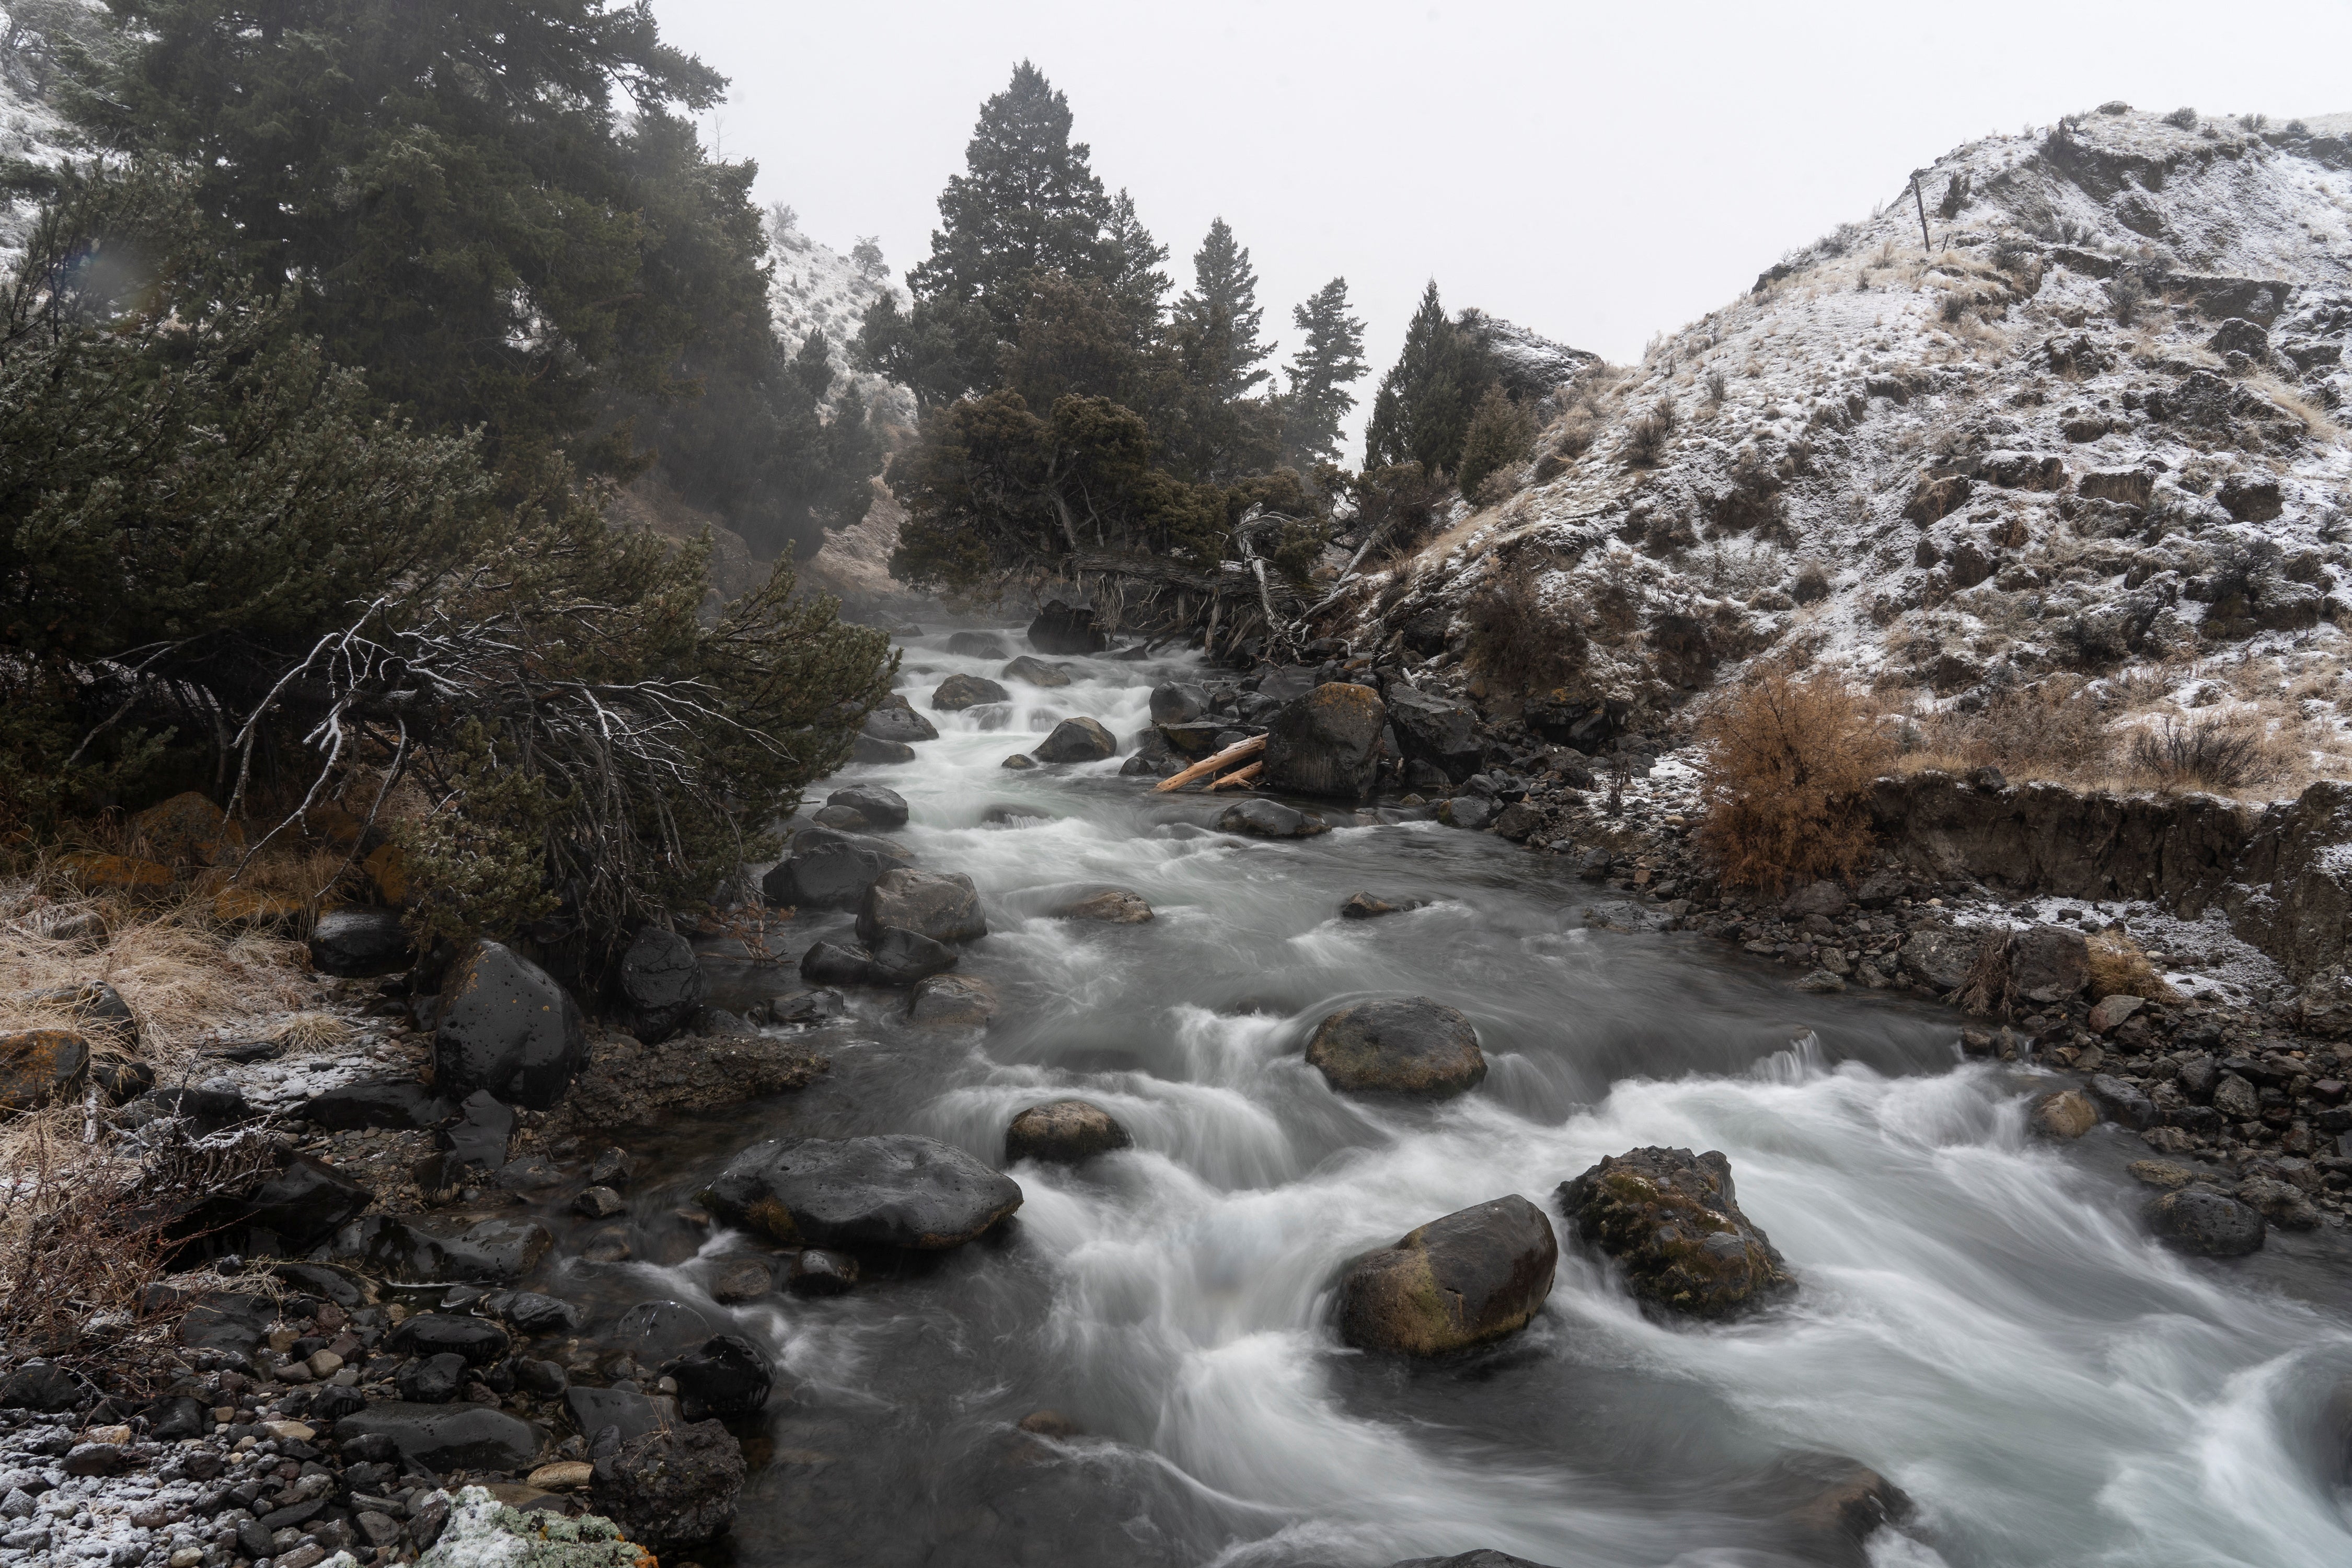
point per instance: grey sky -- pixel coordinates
(1597, 173)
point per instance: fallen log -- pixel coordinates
(1237, 777)
(1233, 753)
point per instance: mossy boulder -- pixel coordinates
(1476, 1275)
(1672, 1222)
(1401, 1044)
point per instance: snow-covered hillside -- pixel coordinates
(2094, 427)
(816, 289)
(30, 131)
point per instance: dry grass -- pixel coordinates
(2120, 968)
(1786, 765)
(1516, 640)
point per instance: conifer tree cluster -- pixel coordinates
(1069, 407)
(312, 391)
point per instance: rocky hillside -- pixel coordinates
(2092, 432)
(816, 289)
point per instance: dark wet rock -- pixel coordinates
(1838, 1503)
(300, 1207)
(170, 1420)
(1270, 819)
(1326, 742)
(1178, 703)
(1062, 628)
(1671, 1220)
(882, 808)
(656, 1330)
(1078, 740)
(1064, 1132)
(2067, 1113)
(896, 957)
(895, 720)
(1407, 1045)
(209, 1107)
(941, 905)
(1019, 761)
(591, 1410)
(662, 983)
(671, 1488)
(2123, 1101)
(2198, 1220)
(743, 1280)
(958, 692)
(479, 1341)
(1485, 1557)
(508, 1028)
(952, 1002)
(2281, 1202)
(529, 1312)
(818, 1272)
(2049, 963)
(444, 1437)
(120, 1080)
(628, 1083)
(1823, 897)
(896, 1190)
(359, 942)
(2236, 1098)
(226, 1320)
(1365, 906)
(46, 1386)
(1112, 906)
(1469, 811)
(1518, 821)
(40, 1067)
(825, 869)
(875, 752)
(1035, 672)
(547, 1379)
(397, 1102)
(977, 644)
(99, 1011)
(727, 1376)
(431, 1379)
(489, 1251)
(1436, 729)
(717, 1023)
(477, 1140)
(1940, 958)
(1193, 740)
(598, 1202)
(1473, 1276)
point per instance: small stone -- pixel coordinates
(1018, 760)
(817, 1272)
(282, 1431)
(564, 1475)
(324, 1364)
(1063, 1132)
(1113, 906)
(1820, 980)
(2111, 1011)
(747, 1280)
(599, 1203)
(187, 1557)
(2160, 1173)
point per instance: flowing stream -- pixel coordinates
(1982, 1318)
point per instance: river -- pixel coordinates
(1980, 1318)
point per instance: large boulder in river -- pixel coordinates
(1326, 742)
(1405, 1045)
(895, 720)
(977, 644)
(896, 1190)
(507, 1026)
(952, 1002)
(958, 692)
(1270, 819)
(1064, 1132)
(941, 905)
(1080, 740)
(1178, 703)
(1474, 1276)
(1062, 628)
(2197, 1219)
(1672, 1223)
(826, 869)
(1436, 729)
(1112, 906)
(882, 808)
(661, 982)
(896, 956)
(1035, 670)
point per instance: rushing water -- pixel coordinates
(1982, 1318)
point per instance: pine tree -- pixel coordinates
(1501, 433)
(1028, 203)
(1329, 359)
(1425, 401)
(1219, 319)
(1137, 284)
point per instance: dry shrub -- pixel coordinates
(1515, 640)
(2120, 968)
(2221, 755)
(1786, 765)
(1646, 436)
(2051, 729)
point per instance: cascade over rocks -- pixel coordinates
(1326, 742)
(507, 1026)
(1062, 628)
(1080, 740)
(824, 868)
(895, 1190)
(1473, 1276)
(1064, 1132)
(941, 905)
(1672, 1222)
(1408, 1045)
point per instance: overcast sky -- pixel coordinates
(1597, 173)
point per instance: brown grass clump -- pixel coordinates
(1786, 765)
(2120, 968)
(2052, 730)
(1517, 641)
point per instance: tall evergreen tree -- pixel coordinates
(1027, 204)
(1329, 359)
(1423, 410)
(1219, 318)
(1137, 284)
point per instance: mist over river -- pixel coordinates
(1981, 1317)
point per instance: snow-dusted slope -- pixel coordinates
(816, 289)
(30, 131)
(1961, 466)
